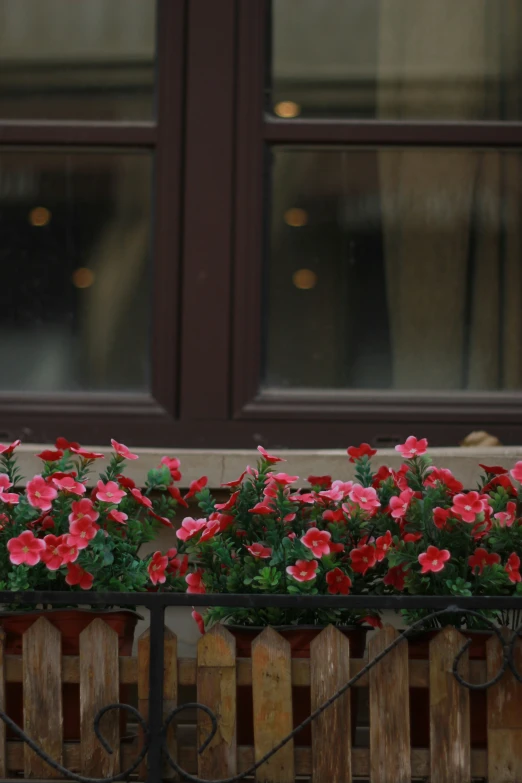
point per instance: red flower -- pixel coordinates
(395, 577)
(513, 568)
(440, 517)
(231, 502)
(467, 506)
(446, 477)
(8, 450)
(412, 448)
(363, 558)
(196, 486)
(68, 553)
(190, 528)
(382, 474)
(124, 481)
(235, 482)
(199, 621)
(335, 548)
(212, 527)
(334, 516)
(68, 484)
(117, 516)
(156, 568)
(517, 472)
(259, 551)
(81, 532)
(412, 537)
(78, 576)
(268, 457)
(83, 508)
(122, 450)
(500, 481)
(382, 545)
(375, 622)
(50, 456)
(338, 582)
(25, 549)
(325, 482)
(303, 570)
(399, 505)
(109, 492)
(64, 445)
(318, 541)
(194, 581)
(85, 454)
(164, 520)
(507, 517)
(178, 567)
(433, 559)
(364, 450)
(481, 557)
(51, 555)
(143, 500)
(173, 465)
(176, 494)
(494, 470)
(365, 497)
(263, 509)
(40, 494)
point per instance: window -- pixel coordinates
(287, 222)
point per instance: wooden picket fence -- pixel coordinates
(271, 673)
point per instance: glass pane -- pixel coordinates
(393, 59)
(74, 271)
(81, 59)
(395, 269)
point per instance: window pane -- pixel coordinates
(87, 59)
(419, 59)
(395, 269)
(74, 271)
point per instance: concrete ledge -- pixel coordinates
(227, 464)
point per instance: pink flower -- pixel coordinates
(433, 559)
(303, 570)
(268, 457)
(122, 450)
(109, 492)
(68, 484)
(190, 528)
(68, 553)
(4, 482)
(363, 558)
(85, 454)
(343, 486)
(212, 527)
(258, 550)
(513, 568)
(40, 494)
(412, 448)
(317, 541)
(51, 556)
(25, 549)
(196, 486)
(357, 452)
(9, 449)
(399, 505)
(365, 497)
(194, 581)
(467, 506)
(283, 479)
(78, 576)
(334, 494)
(198, 619)
(117, 516)
(261, 508)
(143, 500)
(235, 482)
(382, 545)
(81, 509)
(507, 517)
(517, 472)
(11, 498)
(156, 568)
(231, 502)
(173, 465)
(81, 531)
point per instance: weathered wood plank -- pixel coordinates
(43, 716)
(504, 716)
(272, 698)
(389, 710)
(449, 710)
(216, 683)
(329, 671)
(99, 687)
(170, 690)
(3, 746)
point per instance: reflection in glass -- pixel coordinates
(407, 273)
(74, 271)
(393, 59)
(77, 59)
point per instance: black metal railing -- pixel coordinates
(155, 730)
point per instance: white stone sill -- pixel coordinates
(222, 465)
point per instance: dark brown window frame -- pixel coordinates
(209, 141)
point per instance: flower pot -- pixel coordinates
(70, 623)
(418, 649)
(299, 638)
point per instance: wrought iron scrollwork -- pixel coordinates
(507, 662)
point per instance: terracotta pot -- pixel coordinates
(418, 649)
(70, 623)
(300, 638)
